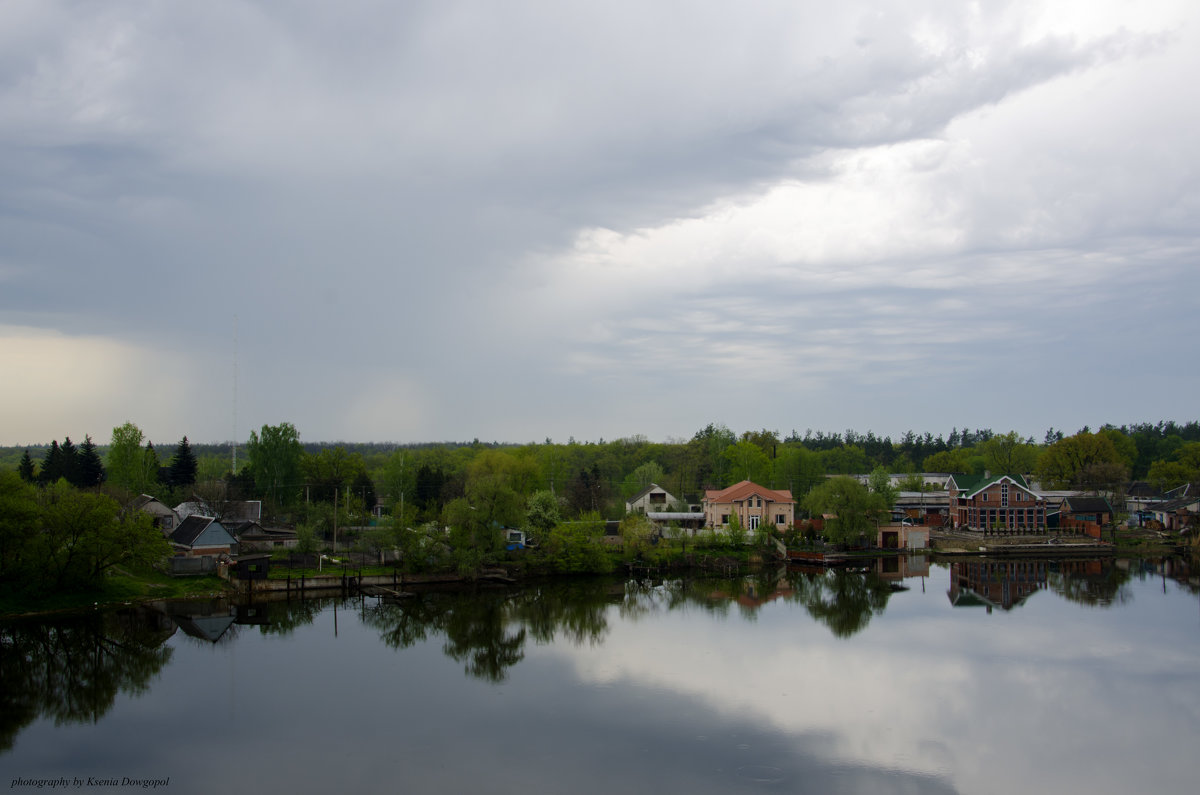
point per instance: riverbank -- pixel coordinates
(126, 587)
(120, 587)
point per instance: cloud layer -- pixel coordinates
(458, 220)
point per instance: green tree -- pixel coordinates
(52, 465)
(1079, 460)
(853, 507)
(91, 468)
(642, 477)
(747, 461)
(184, 466)
(799, 468)
(306, 539)
(18, 525)
(542, 513)
(958, 461)
(1183, 467)
(1008, 454)
(577, 546)
(473, 539)
(332, 470)
(26, 468)
(636, 533)
(397, 481)
(518, 473)
(362, 492)
(275, 455)
(735, 531)
(69, 462)
(708, 448)
(848, 459)
(126, 460)
(150, 468)
(880, 483)
(83, 535)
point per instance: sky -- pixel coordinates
(523, 221)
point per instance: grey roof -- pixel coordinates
(1087, 505)
(192, 527)
(647, 490)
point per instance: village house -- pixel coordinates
(1094, 510)
(751, 503)
(164, 518)
(652, 498)
(202, 536)
(1178, 515)
(254, 537)
(995, 502)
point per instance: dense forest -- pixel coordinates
(419, 481)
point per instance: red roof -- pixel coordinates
(740, 491)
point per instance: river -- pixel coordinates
(957, 677)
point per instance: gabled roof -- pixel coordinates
(194, 507)
(740, 491)
(1141, 489)
(647, 490)
(141, 502)
(254, 530)
(1087, 505)
(973, 484)
(192, 527)
(1179, 492)
(1170, 506)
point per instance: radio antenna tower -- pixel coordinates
(233, 444)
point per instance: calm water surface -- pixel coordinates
(1029, 676)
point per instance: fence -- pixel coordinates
(193, 567)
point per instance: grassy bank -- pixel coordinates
(120, 586)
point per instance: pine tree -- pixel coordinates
(150, 469)
(69, 461)
(51, 465)
(91, 470)
(25, 468)
(183, 468)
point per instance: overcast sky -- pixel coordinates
(520, 220)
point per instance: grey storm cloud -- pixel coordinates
(448, 220)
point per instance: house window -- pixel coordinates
(779, 518)
(754, 521)
(985, 496)
(724, 518)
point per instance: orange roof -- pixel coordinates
(740, 491)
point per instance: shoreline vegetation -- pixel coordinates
(71, 534)
(125, 586)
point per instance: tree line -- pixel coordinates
(419, 481)
(561, 493)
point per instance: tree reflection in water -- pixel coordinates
(840, 599)
(1091, 582)
(487, 629)
(71, 669)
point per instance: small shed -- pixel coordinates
(252, 567)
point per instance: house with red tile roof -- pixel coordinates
(751, 503)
